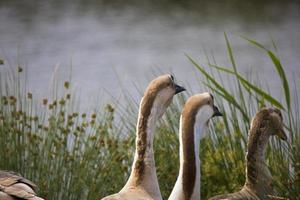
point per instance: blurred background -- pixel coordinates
(98, 55)
(106, 46)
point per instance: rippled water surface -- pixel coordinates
(113, 46)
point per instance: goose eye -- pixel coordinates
(172, 77)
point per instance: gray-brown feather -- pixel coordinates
(134, 194)
(13, 186)
(244, 194)
(258, 183)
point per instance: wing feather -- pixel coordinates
(15, 185)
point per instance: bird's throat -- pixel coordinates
(257, 172)
(143, 173)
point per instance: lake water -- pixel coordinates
(116, 47)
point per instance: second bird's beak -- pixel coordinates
(216, 111)
(179, 89)
(282, 135)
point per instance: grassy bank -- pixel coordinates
(74, 155)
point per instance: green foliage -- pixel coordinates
(69, 155)
(223, 152)
(72, 155)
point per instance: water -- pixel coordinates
(116, 47)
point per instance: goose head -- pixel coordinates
(199, 109)
(270, 121)
(159, 94)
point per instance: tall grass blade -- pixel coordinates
(283, 78)
(230, 52)
(248, 85)
(279, 69)
(225, 93)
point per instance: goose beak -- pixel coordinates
(281, 134)
(216, 111)
(179, 89)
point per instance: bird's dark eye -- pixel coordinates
(172, 77)
(280, 115)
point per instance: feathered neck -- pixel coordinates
(187, 186)
(143, 173)
(258, 176)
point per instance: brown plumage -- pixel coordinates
(15, 187)
(197, 112)
(258, 185)
(189, 113)
(151, 92)
(142, 183)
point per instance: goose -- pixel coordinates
(15, 187)
(258, 185)
(142, 183)
(193, 122)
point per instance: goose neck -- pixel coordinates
(143, 173)
(187, 186)
(257, 173)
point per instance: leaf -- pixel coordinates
(279, 70)
(219, 88)
(255, 43)
(248, 85)
(283, 78)
(229, 49)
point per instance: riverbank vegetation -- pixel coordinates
(87, 155)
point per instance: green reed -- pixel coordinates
(74, 155)
(223, 153)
